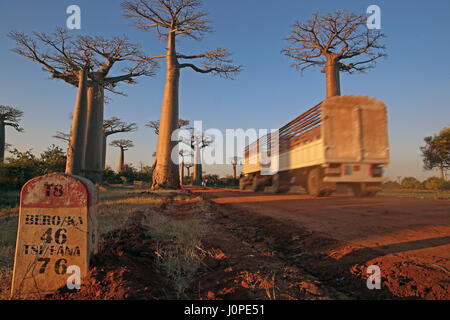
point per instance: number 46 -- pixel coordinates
(60, 236)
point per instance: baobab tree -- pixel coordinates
(188, 166)
(154, 124)
(124, 145)
(171, 19)
(111, 52)
(235, 161)
(197, 141)
(112, 126)
(338, 42)
(85, 62)
(182, 165)
(9, 117)
(61, 60)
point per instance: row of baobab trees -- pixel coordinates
(10, 116)
(195, 140)
(331, 41)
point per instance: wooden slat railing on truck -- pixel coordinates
(303, 129)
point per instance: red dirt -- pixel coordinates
(335, 239)
(124, 268)
(262, 246)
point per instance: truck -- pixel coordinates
(342, 141)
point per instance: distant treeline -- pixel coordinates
(23, 166)
(433, 183)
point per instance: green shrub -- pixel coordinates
(434, 183)
(128, 175)
(18, 169)
(23, 166)
(411, 183)
(53, 160)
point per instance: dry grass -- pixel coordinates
(178, 239)
(8, 234)
(179, 246)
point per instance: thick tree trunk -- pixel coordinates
(104, 151)
(77, 144)
(181, 171)
(94, 144)
(442, 171)
(234, 171)
(165, 175)
(2, 141)
(121, 160)
(197, 166)
(188, 171)
(332, 76)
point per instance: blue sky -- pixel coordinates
(414, 81)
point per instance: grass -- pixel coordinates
(8, 233)
(178, 239)
(179, 249)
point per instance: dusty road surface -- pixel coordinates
(337, 238)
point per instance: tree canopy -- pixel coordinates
(115, 125)
(63, 56)
(10, 116)
(436, 152)
(342, 36)
(122, 144)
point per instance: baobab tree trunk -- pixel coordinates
(77, 142)
(104, 151)
(94, 142)
(121, 160)
(165, 174)
(188, 171)
(197, 166)
(181, 171)
(332, 76)
(2, 141)
(234, 171)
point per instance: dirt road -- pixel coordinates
(337, 238)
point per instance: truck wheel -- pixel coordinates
(256, 186)
(244, 182)
(277, 184)
(315, 185)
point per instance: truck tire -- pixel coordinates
(314, 184)
(256, 185)
(278, 185)
(244, 182)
